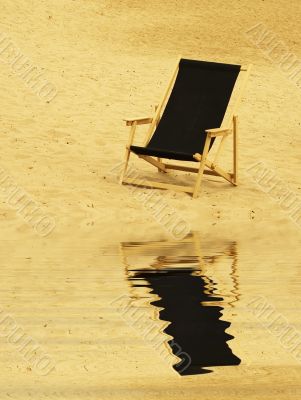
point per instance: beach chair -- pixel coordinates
(191, 116)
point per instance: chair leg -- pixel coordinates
(128, 151)
(201, 168)
(235, 150)
(160, 161)
(126, 163)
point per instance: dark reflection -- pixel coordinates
(189, 301)
(195, 327)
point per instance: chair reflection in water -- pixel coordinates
(184, 287)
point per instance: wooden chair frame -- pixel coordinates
(229, 126)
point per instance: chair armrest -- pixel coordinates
(218, 132)
(139, 121)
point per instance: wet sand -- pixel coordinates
(67, 297)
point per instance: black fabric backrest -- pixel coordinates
(198, 101)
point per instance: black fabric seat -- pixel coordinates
(198, 101)
(148, 151)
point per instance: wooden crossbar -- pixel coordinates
(154, 162)
(181, 168)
